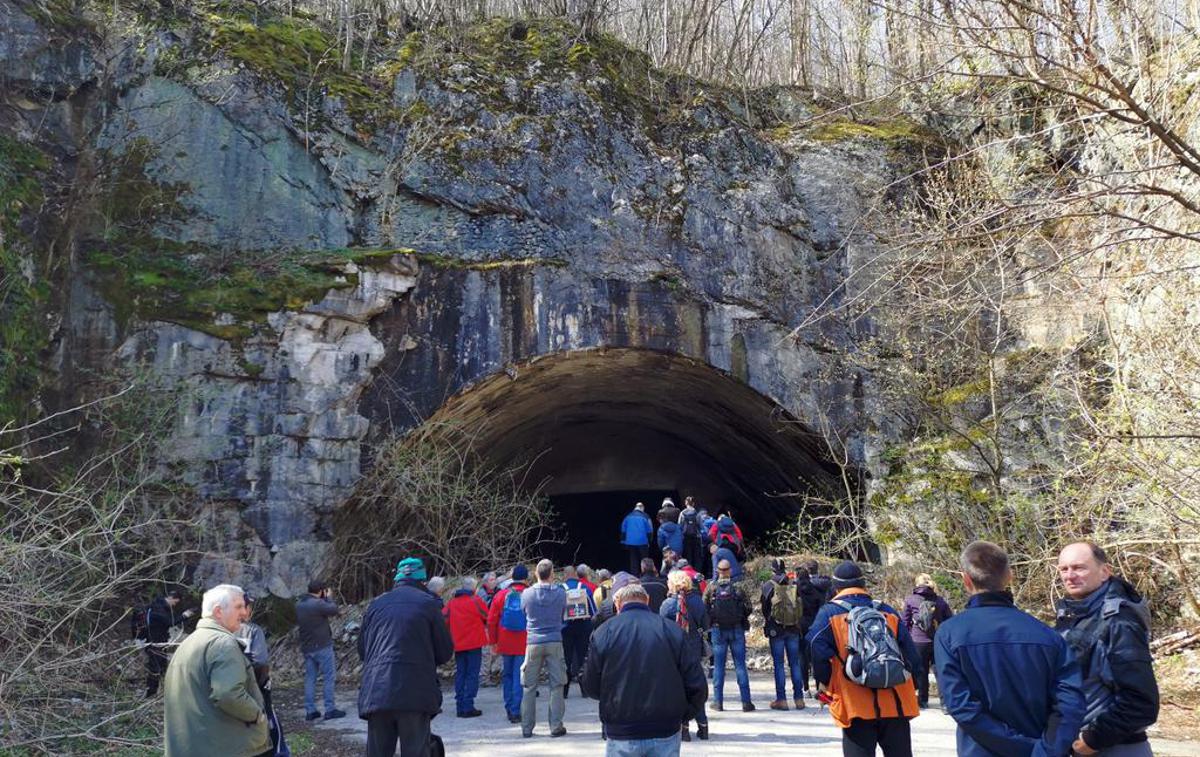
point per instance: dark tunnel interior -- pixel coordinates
(603, 429)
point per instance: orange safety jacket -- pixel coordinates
(851, 700)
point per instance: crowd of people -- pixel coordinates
(648, 643)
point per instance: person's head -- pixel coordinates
(583, 571)
(248, 612)
(173, 598)
(811, 566)
(712, 549)
(678, 582)
(669, 554)
(777, 567)
(648, 567)
(437, 585)
(1083, 567)
(985, 567)
(225, 605)
(724, 569)
(689, 501)
(923, 579)
(702, 512)
(847, 575)
(410, 569)
(633, 594)
(603, 574)
(520, 574)
(681, 563)
(623, 579)
(640, 506)
(317, 587)
(667, 502)
(489, 580)
(469, 583)
(569, 572)
(544, 571)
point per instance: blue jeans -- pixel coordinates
(466, 679)
(668, 747)
(319, 661)
(725, 640)
(510, 682)
(794, 648)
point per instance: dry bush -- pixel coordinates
(81, 535)
(430, 494)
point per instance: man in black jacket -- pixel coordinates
(402, 641)
(647, 679)
(654, 584)
(1107, 624)
(160, 619)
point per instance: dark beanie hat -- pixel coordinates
(520, 573)
(847, 574)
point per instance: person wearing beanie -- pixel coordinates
(507, 634)
(606, 609)
(402, 641)
(869, 717)
(636, 533)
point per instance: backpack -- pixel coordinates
(927, 617)
(729, 540)
(784, 609)
(605, 592)
(691, 523)
(578, 607)
(139, 624)
(873, 657)
(727, 605)
(513, 617)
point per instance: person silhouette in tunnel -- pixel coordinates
(691, 528)
(636, 532)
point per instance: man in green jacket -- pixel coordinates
(212, 702)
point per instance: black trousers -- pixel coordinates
(892, 735)
(635, 558)
(693, 552)
(926, 652)
(156, 664)
(575, 636)
(409, 729)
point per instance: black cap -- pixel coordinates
(848, 574)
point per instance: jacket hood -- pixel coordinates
(464, 593)
(925, 591)
(1109, 598)
(669, 526)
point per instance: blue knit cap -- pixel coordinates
(411, 568)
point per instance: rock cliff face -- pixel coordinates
(314, 261)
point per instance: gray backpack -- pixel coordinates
(873, 657)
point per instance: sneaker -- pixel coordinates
(527, 734)
(560, 731)
(779, 704)
(514, 718)
(799, 704)
(334, 714)
(702, 732)
(470, 714)
(749, 707)
(717, 707)
(685, 734)
(312, 715)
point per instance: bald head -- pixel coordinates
(1083, 568)
(724, 568)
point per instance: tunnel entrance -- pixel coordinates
(602, 429)
(589, 525)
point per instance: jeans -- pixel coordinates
(725, 640)
(925, 650)
(793, 647)
(510, 682)
(314, 662)
(668, 747)
(538, 656)
(386, 728)
(466, 679)
(891, 735)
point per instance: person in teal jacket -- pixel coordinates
(636, 532)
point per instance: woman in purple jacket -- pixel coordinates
(924, 611)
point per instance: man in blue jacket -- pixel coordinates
(636, 532)
(720, 554)
(1107, 624)
(403, 640)
(1010, 682)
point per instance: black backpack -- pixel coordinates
(139, 624)
(727, 605)
(927, 617)
(691, 523)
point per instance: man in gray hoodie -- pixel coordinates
(544, 604)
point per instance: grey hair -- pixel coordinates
(583, 569)
(604, 574)
(221, 596)
(436, 584)
(631, 593)
(489, 576)
(545, 569)
(469, 583)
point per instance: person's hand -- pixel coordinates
(1080, 747)
(188, 613)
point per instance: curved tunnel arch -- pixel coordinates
(604, 425)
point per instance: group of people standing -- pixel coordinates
(690, 535)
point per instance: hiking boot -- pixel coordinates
(702, 732)
(799, 704)
(527, 734)
(470, 714)
(514, 718)
(311, 715)
(749, 707)
(717, 707)
(334, 714)
(780, 704)
(560, 731)
(685, 734)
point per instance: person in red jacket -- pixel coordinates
(466, 614)
(506, 634)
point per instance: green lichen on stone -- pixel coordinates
(894, 132)
(448, 263)
(23, 291)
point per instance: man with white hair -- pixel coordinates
(646, 676)
(212, 701)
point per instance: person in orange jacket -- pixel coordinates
(506, 634)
